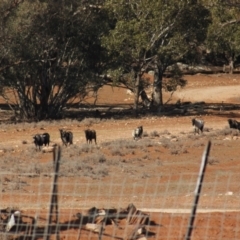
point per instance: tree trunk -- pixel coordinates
(157, 96)
(231, 65)
(136, 93)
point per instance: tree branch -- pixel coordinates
(234, 21)
(14, 4)
(23, 62)
(231, 3)
(165, 31)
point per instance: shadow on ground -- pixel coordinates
(101, 112)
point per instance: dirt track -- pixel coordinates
(210, 94)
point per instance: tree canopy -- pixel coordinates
(153, 34)
(53, 55)
(52, 52)
(223, 38)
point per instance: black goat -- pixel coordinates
(234, 124)
(91, 135)
(198, 124)
(41, 139)
(66, 136)
(137, 133)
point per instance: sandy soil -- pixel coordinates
(157, 173)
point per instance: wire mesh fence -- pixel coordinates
(47, 205)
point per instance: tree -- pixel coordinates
(53, 55)
(224, 33)
(7, 10)
(153, 35)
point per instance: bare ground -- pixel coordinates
(157, 172)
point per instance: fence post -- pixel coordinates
(54, 195)
(198, 190)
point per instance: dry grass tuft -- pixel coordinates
(154, 133)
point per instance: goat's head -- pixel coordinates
(230, 121)
(62, 132)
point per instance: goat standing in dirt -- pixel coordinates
(41, 139)
(137, 133)
(91, 135)
(198, 125)
(66, 136)
(234, 124)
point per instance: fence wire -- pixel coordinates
(117, 206)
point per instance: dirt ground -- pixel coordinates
(157, 173)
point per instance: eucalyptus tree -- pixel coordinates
(153, 35)
(53, 55)
(224, 33)
(7, 10)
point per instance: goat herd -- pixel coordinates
(67, 136)
(199, 124)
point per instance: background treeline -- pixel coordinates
(55, 51)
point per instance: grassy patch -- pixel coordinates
(154, 133)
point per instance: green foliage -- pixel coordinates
(176, 80)
(152, 33)
(224, 33)
(53, 56)
(53, 51)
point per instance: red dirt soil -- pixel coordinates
(158, 179)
